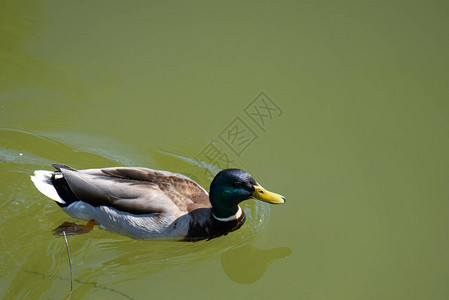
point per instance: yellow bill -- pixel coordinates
(262, 194)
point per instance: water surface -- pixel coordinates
(345, 107)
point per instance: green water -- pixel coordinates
(355, 135)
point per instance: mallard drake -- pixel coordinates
(149, 204)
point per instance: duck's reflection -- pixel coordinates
(243, 264)
(247, 264)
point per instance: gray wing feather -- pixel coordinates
(136, 190)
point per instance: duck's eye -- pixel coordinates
(237, 184)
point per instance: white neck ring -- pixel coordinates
(237, 215)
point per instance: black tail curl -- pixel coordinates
(62, 166)
(61, 186)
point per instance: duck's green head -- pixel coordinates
(232, 186)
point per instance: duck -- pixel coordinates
(148, 204)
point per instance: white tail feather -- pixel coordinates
(42, 181)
